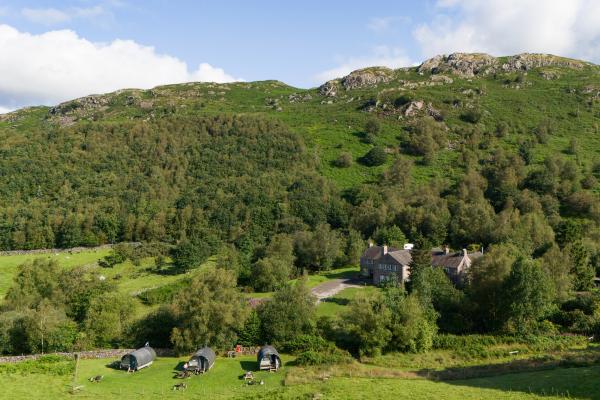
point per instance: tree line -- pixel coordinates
(247, 190)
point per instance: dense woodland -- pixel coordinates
(249, 190)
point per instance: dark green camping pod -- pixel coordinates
(268, 358)
(138, 359)
(202, 360)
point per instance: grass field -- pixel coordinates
(337, 304)
(9, 263)
(223, 382)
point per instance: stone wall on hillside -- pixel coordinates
(91, 354)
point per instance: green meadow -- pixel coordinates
(224, 381)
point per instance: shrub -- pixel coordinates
(46, 365)
(163, 294)
(425, 138)
(472, 116)
(573, 147)
(376, 156)
(305, 343)
(332, 355)
(344, 160)
(402, 100)
(372, 126)
(474, 344)
(314, 350)
(111, 260)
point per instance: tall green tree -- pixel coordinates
(318, 250)
(367, 323)
(209, 312)
(35, 281)
(289, 314)
(410, 327)
(108, 318)
(527, 295)
(556, 265)
(486, 285)
(581, 267)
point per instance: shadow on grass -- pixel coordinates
(114, 365)
(248, 365)
(573, 376)
(167, 270)
(179, 366)
(350, 275)
(336, 300)
(578, 382)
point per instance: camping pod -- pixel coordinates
(138, 359)
(268, 359)
(202, 360)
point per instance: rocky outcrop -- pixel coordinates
(463, 64)
(367, 77)
(85, 103)
(329, 88)
(413, 108)
(471, 64)
(418, 107)
(527, 61)
(592, 90)
(359, 79)
(443, 79)
(434, 113)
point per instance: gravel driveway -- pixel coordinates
(333, 287)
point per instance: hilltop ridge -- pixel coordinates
(463, 65)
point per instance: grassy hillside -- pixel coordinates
(120, 166)
(566, 97)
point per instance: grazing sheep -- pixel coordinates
(180, 386)
(96, 379)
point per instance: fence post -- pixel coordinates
(76, 370)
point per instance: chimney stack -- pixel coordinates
(384, 249)
(446, 249)
(370, 244)
(464, 252)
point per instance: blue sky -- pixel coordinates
(55, 50)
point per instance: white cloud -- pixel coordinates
(381, 56)
(59, 65)
(502, 27)
(385, 24)
(4, 110)
(46, 16)
(53, 16)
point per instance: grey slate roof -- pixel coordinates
(439, 258)
(450, 260)
(401, 256)
(374, 252)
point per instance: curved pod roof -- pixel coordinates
(139, 358)
(203, 359)
(266, 351)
